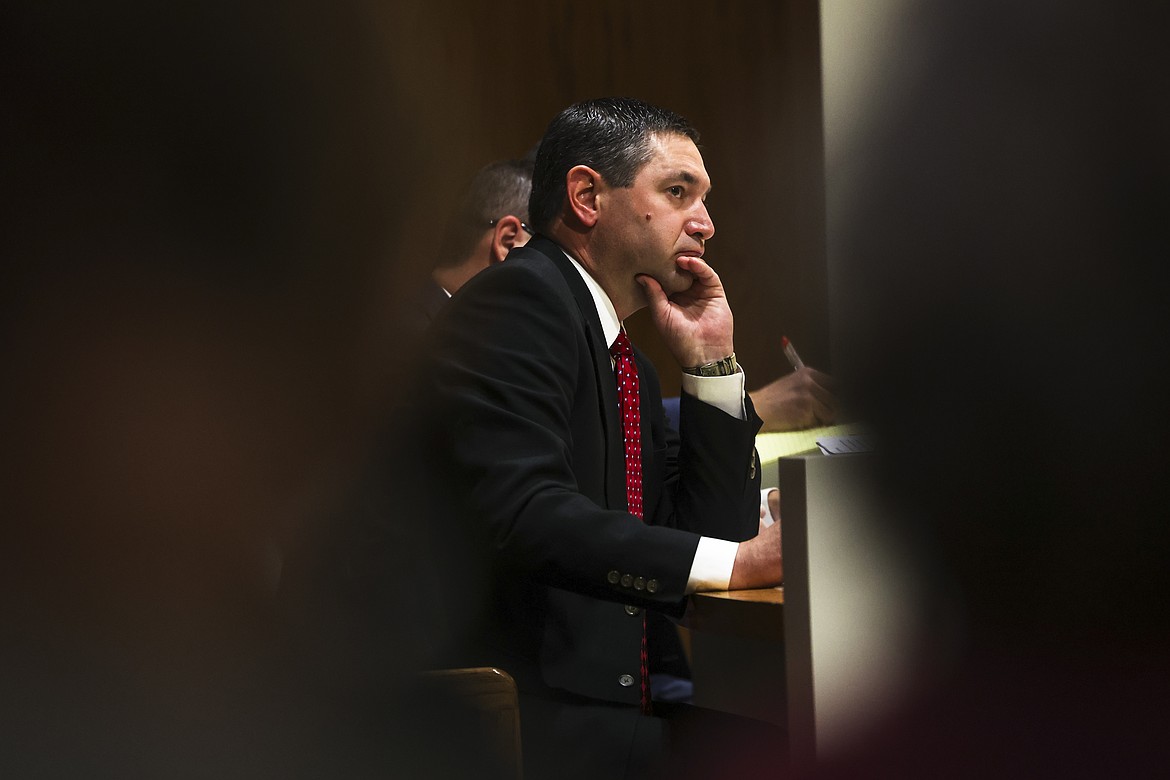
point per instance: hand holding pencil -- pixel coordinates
(802, 399)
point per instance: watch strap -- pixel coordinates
(723, 367)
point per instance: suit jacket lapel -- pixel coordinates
(615, 464)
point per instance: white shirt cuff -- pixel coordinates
(723, 392)
(766, 511)
(711, 569)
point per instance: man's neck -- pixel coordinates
(577, 246)
(611, 325)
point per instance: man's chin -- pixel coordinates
(679, 281)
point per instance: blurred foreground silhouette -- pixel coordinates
(198, 209)
(1006, 256)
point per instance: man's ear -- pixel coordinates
(508, 233)
(581, 185)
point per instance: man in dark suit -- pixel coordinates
(522, 386)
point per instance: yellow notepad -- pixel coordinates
(773, 446)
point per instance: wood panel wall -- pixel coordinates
(746, 73)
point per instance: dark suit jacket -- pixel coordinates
(424, 306)
(531, 451)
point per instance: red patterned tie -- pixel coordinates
(629, 406)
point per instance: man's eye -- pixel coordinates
(675, 191)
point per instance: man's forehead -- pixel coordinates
(676, 156)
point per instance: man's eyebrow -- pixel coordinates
(689, 178)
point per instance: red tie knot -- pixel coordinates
(621, 346)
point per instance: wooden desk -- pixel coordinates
(737, 652)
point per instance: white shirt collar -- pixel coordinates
(611, 326)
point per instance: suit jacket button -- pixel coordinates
(651, 586)
(613, 577)
(626, 680)
(639, 584)
(632, 610)
(626, 580)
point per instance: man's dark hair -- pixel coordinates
(499, 189)
(610, 135)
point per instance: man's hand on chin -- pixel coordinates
(696, 323)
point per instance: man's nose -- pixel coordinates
(701, 226)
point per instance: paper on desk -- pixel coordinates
(843, 445)
(773, 446)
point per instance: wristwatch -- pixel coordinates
(725, 367)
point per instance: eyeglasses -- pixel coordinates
(523, 226)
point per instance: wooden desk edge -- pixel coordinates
(753, 614)
(764, 595)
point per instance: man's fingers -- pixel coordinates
(654, 292)
(698, 268)
(826, 402)
(821, 378)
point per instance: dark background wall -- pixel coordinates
(746, 74)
